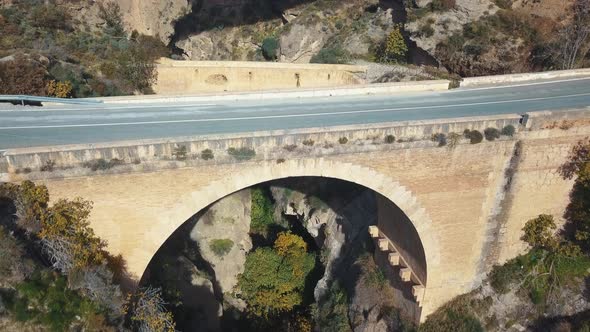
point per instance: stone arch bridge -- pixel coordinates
(455, 212)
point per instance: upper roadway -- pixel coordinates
(73, 124)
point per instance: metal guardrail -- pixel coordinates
(26, 98)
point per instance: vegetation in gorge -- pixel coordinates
(273, 281)
(262, 212)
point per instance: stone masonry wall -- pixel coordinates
(451, 196)
(186, 77)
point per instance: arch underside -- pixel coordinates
(402, 218)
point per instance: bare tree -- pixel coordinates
(97, 283)
(148, 311)
(573, 38)
(60, 253)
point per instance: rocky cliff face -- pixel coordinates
(235, 29)
(302, 27)
(148, 17)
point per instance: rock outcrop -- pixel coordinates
(229, 220)
(149, 17)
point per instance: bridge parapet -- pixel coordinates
(149, 155)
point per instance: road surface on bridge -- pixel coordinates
(72, 124)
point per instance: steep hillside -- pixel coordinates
(92, 48)
(466, 37)
(73, 49)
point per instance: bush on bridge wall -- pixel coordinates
(241, 154)
(474, 136)
(491, 134)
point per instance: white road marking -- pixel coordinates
(518, 85)
(291, 115)
(115, 107)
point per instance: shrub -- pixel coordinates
(290, 147)
(395, 48)
(453, 140)
(50, 17)
(180, 152)
(110, 14)
(59, 89)
(508, 130)
(241, 153)
(22, 77)
(501, 277)
(25, 170)
(440, 138)
(14, 266)
(442, 5)
(375, 277)
(308, 142)
(331, 55)
(538, 232)
(389, 139)
(221, 247)
(474, 136)
(426, 30)
(102, 164)
(136, 67)
(332, 313)
(270, 47)
(504, 4)
(207, 154)
(280, 160)
(451, 320)
(45, 298)
(491, 134)
(343, 140)
(48, 166)
(147, 311)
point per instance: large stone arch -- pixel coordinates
(189, 203)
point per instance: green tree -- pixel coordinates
(539, 232)
(332, 311)
(395, 48)
(46, 299)
(270, 48)
(577, 212)
(67, 237)
(262, 215)
(31, 203)
(274, 278)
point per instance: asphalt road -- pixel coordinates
(57, 125)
